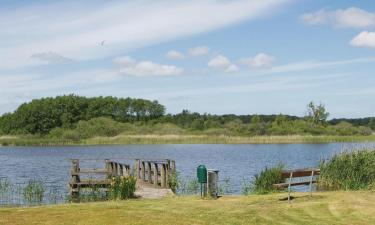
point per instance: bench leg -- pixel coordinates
(289, 186)
(311, 181)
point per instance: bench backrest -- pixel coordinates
(300, 173)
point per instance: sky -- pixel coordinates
(208, 56)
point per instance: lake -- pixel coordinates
(236, 162)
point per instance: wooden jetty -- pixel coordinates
(150, 174)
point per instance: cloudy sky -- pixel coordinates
(239, 56)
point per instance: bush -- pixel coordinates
(348, 171)
(122, 188)
(173, 181)
(263, 182)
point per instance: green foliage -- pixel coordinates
(40, 116)
(122, 188)
(33, 192)
(173, 181)
(348, 171)
(263, 182)
(74, 118)
(317, 113)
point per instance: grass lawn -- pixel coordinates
(322, 208)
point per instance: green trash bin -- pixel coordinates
(202, 174)
(202, 178)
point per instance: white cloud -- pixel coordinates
(74, 29)
(124, 61)
(51, 57)
(175, 55)
(351, 17)
(199, 51)
(314, 65)
(261, 60)
(222, 63)
(129, 66)
(232, 69)
(364, 39)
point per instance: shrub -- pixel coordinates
(122, 188)
(173, 181)
(348, 171)
(263, 182)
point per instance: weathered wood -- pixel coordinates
(143, 170)
(163, 182)
(155, 180)
(285, 185)
(137, 168)
(74, 189)
(299, 173)
(149, 172)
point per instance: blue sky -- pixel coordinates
(241, 57)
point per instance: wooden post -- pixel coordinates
(128, 171)
(167, 174)
(125, 171)
(108, 168)
(136, 168)
(173, 166)
(75, 179)
(149, 173)
(121, 170)
(290, 185)
(163, 175)
(143, 170)
(156, 180)
(311, 181)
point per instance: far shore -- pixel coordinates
(181, 139)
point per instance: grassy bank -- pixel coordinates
(183, 139)
(322, 208)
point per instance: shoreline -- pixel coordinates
(184, 139)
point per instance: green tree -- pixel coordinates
(317, 114)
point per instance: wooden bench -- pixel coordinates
(298, 173)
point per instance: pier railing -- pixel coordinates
(112, 169)
(154, 172)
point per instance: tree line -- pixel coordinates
(41, 115)
(83, 117)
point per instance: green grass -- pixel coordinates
(183, 139)
(322, 208)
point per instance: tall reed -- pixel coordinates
(348, 171)
(263, 182)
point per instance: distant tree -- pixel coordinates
(317, 114)
(372, 124)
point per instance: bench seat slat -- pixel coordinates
(285, 185)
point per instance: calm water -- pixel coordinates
(237, 162)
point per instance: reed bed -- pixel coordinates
(350, 170)
(183, 139)
(31, 193)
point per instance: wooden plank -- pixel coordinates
(90, 171)
(90, 183)
(285, 185)
(299, 173)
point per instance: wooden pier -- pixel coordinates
(149, 173)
